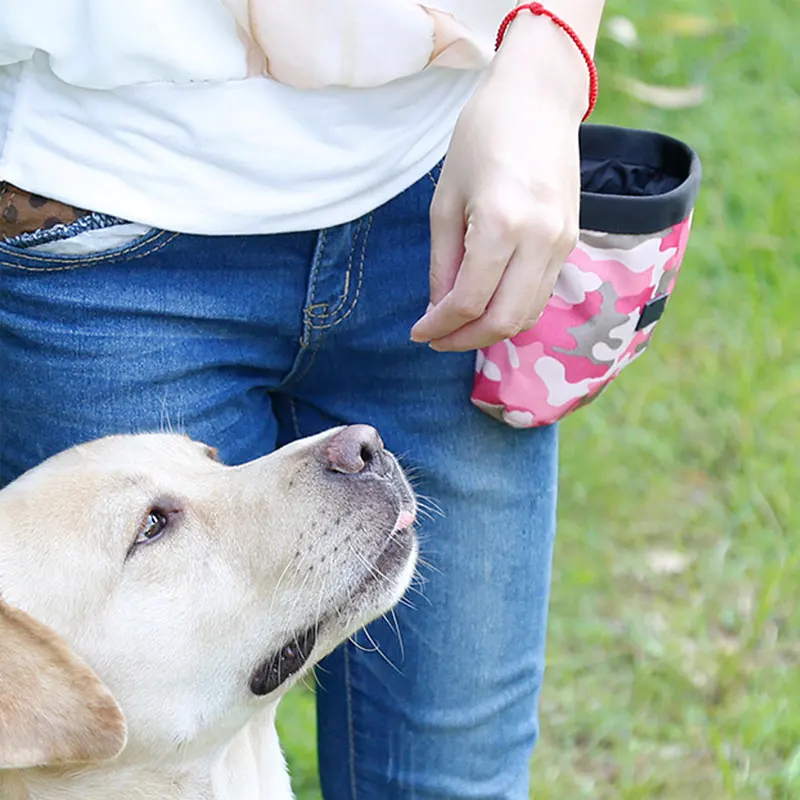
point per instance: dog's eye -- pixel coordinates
(154, 525)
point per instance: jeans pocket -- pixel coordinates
(90, 240)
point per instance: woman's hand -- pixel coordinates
(505, 212)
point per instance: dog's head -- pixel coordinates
(154, 596)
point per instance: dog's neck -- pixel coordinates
(251, 768)
(120, 784)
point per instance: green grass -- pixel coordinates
(674, 642)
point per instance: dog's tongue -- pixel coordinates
(405, 520)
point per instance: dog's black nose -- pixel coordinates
(356, 449)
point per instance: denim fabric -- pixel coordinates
(249, 342)
(91, 222)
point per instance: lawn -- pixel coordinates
(674, 643)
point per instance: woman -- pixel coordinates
(227, 216)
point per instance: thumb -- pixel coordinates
(448, 229)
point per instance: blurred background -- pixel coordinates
(674, 642)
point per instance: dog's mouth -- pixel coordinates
(386, 569)
(288, 661)
(392, 560)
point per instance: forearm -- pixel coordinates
(535, 51)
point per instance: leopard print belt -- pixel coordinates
(25, 212)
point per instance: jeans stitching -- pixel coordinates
(155, 249)
(314, 274)
(350, 725)
(359, 285)
(299, 370)
(94, 261)
(95, 221)
(341, 301)
(315, 267)
(438, 170)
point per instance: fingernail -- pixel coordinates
(415, 337)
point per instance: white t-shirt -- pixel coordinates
(234, 116)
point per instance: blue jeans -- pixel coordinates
(249, 342)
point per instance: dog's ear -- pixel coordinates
(53, 708)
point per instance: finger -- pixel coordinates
(488, 247)
(448, 229)
(515, 307)
(525, 287)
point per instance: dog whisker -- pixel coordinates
(371, 567)
(396, 628)
(423, 563)
(283, 574)
(380, 652)
(430, 505)
(292, 612)
(323, 594)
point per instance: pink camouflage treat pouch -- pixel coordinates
(638, 191)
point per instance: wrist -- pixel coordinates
(587, 13)
(538, 55)
(583, 16)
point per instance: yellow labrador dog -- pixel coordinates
(156, 604)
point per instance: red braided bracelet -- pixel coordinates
(540, 11)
